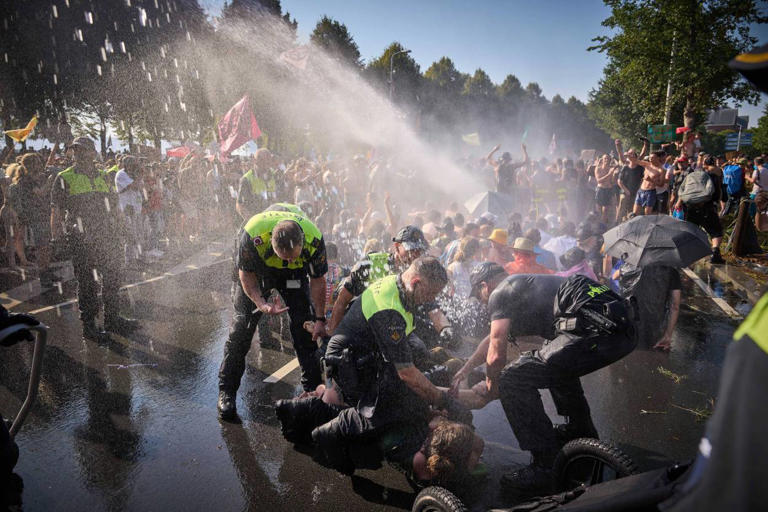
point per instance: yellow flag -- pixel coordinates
(22, 133)
(473, 139)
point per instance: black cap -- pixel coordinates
(482, 273)
(572, 256)
(412, 239)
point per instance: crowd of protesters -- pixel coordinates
(559, 208)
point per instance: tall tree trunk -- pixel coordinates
(103, 136)
(689, 112)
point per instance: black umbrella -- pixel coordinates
(657, 240)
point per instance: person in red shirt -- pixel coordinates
(525, 259)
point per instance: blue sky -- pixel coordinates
(541, 41)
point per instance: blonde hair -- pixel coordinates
(15, 172)
(468, 247)
(448, 448)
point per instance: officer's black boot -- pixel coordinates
(299, 416)
(227, 405)
(120, 325)
(332, 448)
(535, 479)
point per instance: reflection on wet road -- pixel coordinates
(131, 424)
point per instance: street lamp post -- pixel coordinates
(392, 70)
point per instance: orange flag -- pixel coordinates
(22, 133)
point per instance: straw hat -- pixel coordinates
(523, 244)
(499, 236)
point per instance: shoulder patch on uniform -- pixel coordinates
(257, 241)
(315, 243)
(394, 333)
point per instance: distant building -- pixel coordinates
(726, 119)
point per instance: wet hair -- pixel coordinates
(458, 220)
(331, 251)
(569, 229)
(542, 224)
(759, 161)
(659, 154)
(431, 269)
(468, 247)
(449, 446)
(286, 235)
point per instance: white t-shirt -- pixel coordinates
(761, 179)
(669, 175)
(127, 197)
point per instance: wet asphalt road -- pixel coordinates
(132, 425)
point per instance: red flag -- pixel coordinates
(682, 129)
(237, 127)
(179, 152)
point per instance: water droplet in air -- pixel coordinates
(55, 11)
(89, 17)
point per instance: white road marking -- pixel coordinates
(282, 372)
(707, 290)
(128, 286)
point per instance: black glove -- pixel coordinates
(448, 339)
(457, 411)
(8, 320)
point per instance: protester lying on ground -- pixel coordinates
(437, 451)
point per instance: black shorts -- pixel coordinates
(705, 216)
(604, 196)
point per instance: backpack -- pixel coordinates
(733, 178)
(697, 188)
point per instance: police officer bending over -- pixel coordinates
(277, 250)
(369, 358)
(586, 327)
(408, 245)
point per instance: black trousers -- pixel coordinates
(245, 320)
(557, 366)
(89, 258)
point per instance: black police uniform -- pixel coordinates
(364, 355)
(582, 336)
(293, 286)
(93, 235)
(377, 265)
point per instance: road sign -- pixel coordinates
(660, 133)
(733, 142)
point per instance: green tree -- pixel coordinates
(335, 39)
(406, 77)
(760, 134)
(688, 42)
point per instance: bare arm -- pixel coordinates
(497, 354)
(438, 320)
(619, 151)
(52, 156)
(339, 307)
(489, 156)
(391, 219)
(643, 151)
(317, 294)
(56, 230)
(420, 385)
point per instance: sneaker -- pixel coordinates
(121, 325)
(717, 258)
(227, 405)
(532, 479)
(565, 432)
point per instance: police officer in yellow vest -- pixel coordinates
(277, 250)
(257, 186)
(84, 210)
(370, 361)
